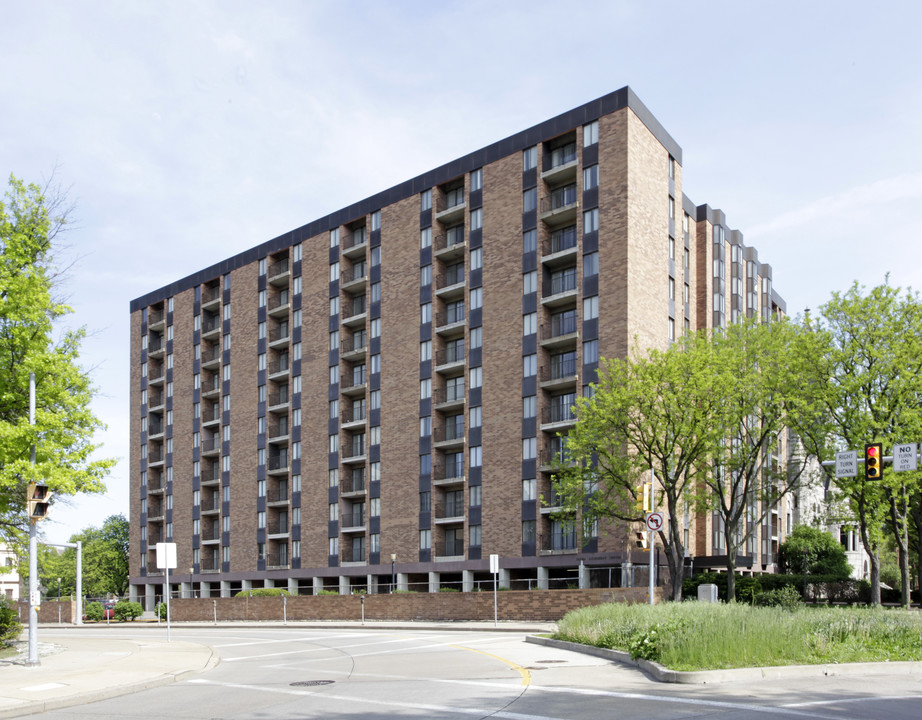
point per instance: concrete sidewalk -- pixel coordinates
(76, 670)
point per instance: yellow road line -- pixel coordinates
(526, 676)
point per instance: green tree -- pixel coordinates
(756, 394)
(653, 412)
(862, 364)
(105, 561)
(30, 218)
(823, 553)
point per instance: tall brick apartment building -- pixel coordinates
(382, 390)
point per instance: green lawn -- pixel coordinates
(703, 636)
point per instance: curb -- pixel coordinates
(749, 674)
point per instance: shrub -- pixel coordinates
(328, 592)
(448, 589)
(823, 553)
(784, 597)
(10, 627)
(160, 610)
(94, 611)
(127, 610)
(263, 592)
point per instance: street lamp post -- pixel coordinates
(393, 575)
(59, 589)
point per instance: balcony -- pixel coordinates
(211, 416)
(277, 561)
(279, 336)
(560, 334)
(277, 464)
(448, 435)
(449, 286)
(211, 298)
(448, 397)
(450, 206)
(278, 400)
(453, 549)
(280, 304)
(211, 327)
(557, 415)
(354, 278)
(354, 347)
(451, 320)
(353, 521)
(211, 446)
(156, 319)
(155, 346)
(353, 486)
(561, 290)
(563, 165)
(448, 475)
(155, 456)
(563, 542)
(210, 564)
(354, 245)
(559, 373)
(450, 360)
(561, 247)
(211, 504)
(559, 208)
(278, 432)
(279, 273)
(211, 358)
(155, 400)
(156, 374)
(352, 418)
(452, 244)
(279, 367)
(211, 387)
(449, 513)
(278, 526)
(355, 312)
(354, 452)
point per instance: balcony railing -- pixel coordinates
(278, 462)
(449, 433)
(563, 155)
(278, 398)
(449, 355)
(563, 239)
(558, 412)
(210, 295)
(279, 268)
(561, 283)
(449, 548)
(451, 393)
(355, 484)
(356, 518)
(559, 541)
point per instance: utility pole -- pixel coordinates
(33, 548)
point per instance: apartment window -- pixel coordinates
(376, 256)
(334, 237)
(425, 464)
(590, 352)
(530, 324)
(476, 259)
(375, 467)
(529, 282)
(671, 289)
(529, 365)
(590, 264)
(425, 200)
(476, 456)
(529, 448)
(476, 219)
(476, 298)
(591, 220)
(591, 307)
(475, 416)
(334, 374)
(334, 271)
(334, 409)
(374, 507)
(685, 258)
(590, 177)
(477, 179)
(425, 389)
(530, 241)
(425, 539)
(671, 329)
(375, 400)
(671, 207)
(375, 363)
(425, 313)
(672, 248)
(425, 426)
(475, 534)
(376, 328)
(296, 318)
(425, 275)
(529, 406)
(333, 443)
(262, 266)
(591, 133)
(529, 199)
(476, 377)
(530, 158)
(530, 489)
(563, 280)
(425, 350)
(476, 336)
(376, 220)
(376, 292)
(334, 310)
(334, 546)
(425, 237)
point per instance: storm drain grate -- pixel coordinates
(311, 683)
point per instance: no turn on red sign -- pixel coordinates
(655, 521)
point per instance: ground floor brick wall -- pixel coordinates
(511, 605)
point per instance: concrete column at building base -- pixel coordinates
(467, 581)
(543, 578)
(344, 587)
(504, 578)
(583, 576)
(246, 585)
(293, 585)
(627, 575)
(225, 588)
(150, 597)
(317, 585)
(371, 583)
(403, 582)
(433, 582)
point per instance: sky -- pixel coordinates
(186, 132)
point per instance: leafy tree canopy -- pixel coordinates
(824, 554)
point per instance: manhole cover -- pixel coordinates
(309, 683)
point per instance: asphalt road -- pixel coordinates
(285, 672)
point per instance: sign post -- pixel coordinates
(494, 568)
(654, 525)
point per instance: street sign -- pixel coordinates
(904, 457)
(494, 564)
(166, 555)
(655, 521)
(847, 464)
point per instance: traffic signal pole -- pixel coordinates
(33, 550)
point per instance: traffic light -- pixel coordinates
(873, 461)
(641, 540)
(645, 498)
(38, 501)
